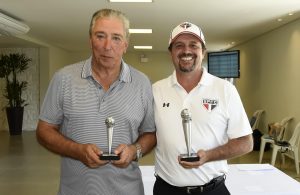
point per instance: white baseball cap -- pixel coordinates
(187, 28)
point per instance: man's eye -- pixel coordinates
(178, 46)
(194, 46)
(117, 38)
(100, 36)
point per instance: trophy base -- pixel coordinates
(109, 157)
(189, 158)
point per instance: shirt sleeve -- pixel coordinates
(148, 124)
(51, 111)
(238, 124)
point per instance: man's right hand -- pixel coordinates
(89, 155)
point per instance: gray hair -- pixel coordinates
(107, 13)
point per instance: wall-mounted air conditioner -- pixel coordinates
(11, 26)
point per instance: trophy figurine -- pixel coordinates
(110, 122)
(187, 128)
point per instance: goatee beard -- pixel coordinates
(187, 69)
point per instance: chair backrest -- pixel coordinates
(256, 116)
(284, 122)
(294, 141)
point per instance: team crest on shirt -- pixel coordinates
(210, 104)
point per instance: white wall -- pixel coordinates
(159, 64)
(270, 74)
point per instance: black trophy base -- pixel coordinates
(109, 157)
(189, 158)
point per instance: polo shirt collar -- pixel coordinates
(206, 77)
(124, 76)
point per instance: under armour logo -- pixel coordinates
(166, 104)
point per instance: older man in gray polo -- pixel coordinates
(81, 97)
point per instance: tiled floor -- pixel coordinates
(26, 168)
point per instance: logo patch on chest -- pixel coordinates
(210, 104)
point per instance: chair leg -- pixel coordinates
(296, 160)
(261, 149)
(283, 158)
(274, 154)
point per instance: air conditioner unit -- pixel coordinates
(11, 26)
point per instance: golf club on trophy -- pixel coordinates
(187, 128)
(110, 122)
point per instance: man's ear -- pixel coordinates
(126, 47)
(90, 42)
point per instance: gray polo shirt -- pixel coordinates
(78, 103)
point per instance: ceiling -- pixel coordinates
(64, 23)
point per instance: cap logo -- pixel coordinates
(186, 25)
(186, 28)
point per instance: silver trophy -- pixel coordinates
(187, 129)
(110, 123)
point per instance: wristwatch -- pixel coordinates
(139, 153)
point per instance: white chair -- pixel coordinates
(289, 148)
(268, 139)
(254, 121)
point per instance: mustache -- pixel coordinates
(187, 55)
